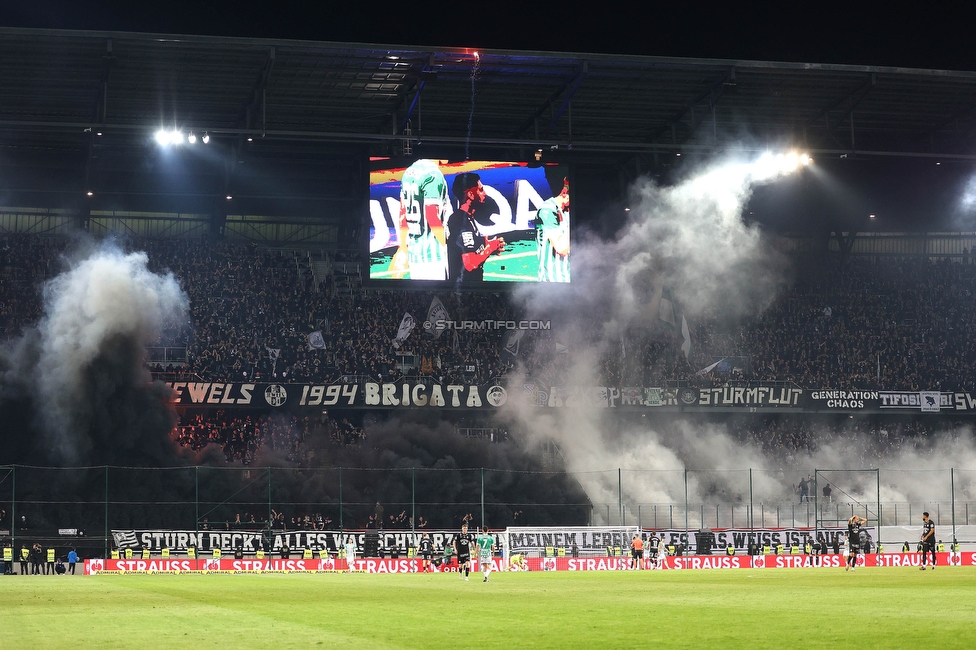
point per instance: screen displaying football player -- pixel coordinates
(424, 204)
(552, 235)
(466, 235)
(470, 221)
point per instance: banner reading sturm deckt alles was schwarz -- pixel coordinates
(389, 565)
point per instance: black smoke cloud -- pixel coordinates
(74, 389)
(419, 462)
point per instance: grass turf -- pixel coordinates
(875, 607)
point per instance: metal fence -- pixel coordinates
(38, 502)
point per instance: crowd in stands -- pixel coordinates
(25, 263)
(891, 324)
(866, 440)
(895, 323)
(899, 324)
(241, 436)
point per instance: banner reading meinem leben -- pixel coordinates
(587, 541)
(388, 565)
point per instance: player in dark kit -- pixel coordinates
(462, 546)
(854, 540)
(928, 540)
(654, 550)
(464, 234)
(426, 553)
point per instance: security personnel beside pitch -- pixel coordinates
(730, 550)
(49, 566)
(24, 560)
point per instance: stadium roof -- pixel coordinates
(54, 84)
(78, 110)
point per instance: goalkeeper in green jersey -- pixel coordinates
(424, 206)
(486, 548)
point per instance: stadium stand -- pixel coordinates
(900, 323)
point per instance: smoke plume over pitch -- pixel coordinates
(74, 387)
(690, 238)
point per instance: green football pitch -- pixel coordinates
(518, 263)
(872, 608)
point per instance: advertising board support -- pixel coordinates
(878, 475)
(751, 523)
(620, 499)
(952, 500)
(106, 511)
(686, 503)
(13, 507)
(196, 499)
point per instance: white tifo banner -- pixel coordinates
(594, 540)
(586, 540)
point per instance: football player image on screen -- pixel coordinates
(424, 204)
(465, 233)
(552, 235)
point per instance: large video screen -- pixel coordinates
(470, 222)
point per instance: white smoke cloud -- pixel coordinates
(109, 302)
(691, 237)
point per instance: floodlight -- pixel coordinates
(192, 138)
(206, 138)
(229, 197)
(162, 138)
(90, 193)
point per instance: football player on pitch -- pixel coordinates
(854, 540)
(486, 548)
(424, 206)
(928, 540)
(426, 553)
(462, 547)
